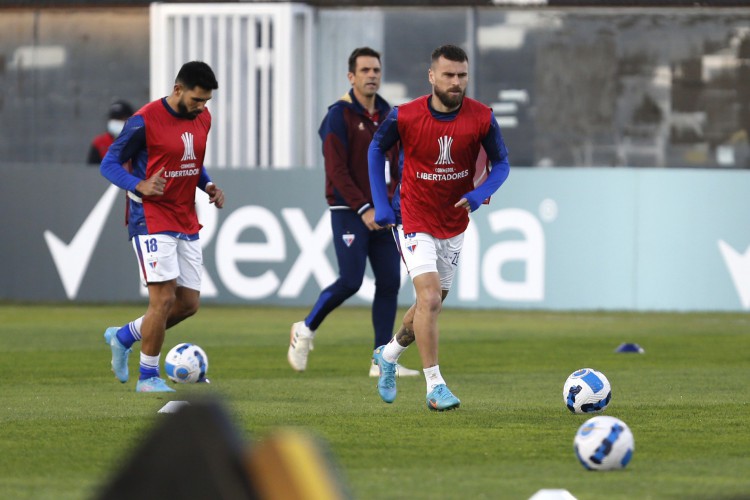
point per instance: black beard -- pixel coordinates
(182, 109)
(448, 100)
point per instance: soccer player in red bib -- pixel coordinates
(166, 142)
(441, 136)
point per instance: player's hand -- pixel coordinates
(369, 219)
(215, 195)
(385, 217)
(463, 203)
(154, 185)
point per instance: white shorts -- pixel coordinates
(163, 258)
(423, 253)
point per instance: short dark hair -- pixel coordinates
(197, 74)
(450, 52)
(358, 52)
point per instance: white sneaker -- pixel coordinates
(401, 371)
(300, 345)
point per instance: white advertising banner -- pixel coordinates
(580, 239)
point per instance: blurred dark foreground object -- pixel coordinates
(197, 453)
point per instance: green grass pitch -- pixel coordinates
(66, 424)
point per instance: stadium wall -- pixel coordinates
(564, 238)
(586, 86)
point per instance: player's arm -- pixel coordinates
(497, 153)
(385, 138)
(215, 195)
(333, 132)
(128, 145)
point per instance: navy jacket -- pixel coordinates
(346, 132)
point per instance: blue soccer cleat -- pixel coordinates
(441, 398)
(153, 384)
(387, 379)
(119, 354)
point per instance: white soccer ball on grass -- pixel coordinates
(604, 443)
(586, 391)
(186, 363)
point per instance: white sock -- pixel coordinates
(433, 377)
(149, 365)
(135, 328)
(393, 350)
(305, 331)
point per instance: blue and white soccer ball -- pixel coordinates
(604, 443)
(586, 391)
(186, 363)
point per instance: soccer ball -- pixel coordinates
(186, 363)
(586, 391)
(604, 443)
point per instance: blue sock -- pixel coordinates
(130, 333)
(149, 366)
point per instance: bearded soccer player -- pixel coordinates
(166, 142)
(441, 135)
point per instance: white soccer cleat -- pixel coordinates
(401, 371)
(300, 345)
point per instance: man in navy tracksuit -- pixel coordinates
(346, 132)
